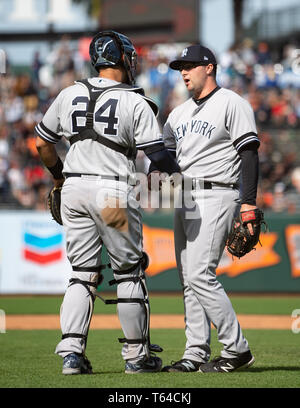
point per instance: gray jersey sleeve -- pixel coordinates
(146, 128)
(49, 128)
(168, 137)
(240, 122)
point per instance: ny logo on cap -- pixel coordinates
(184, 52)
(205, 58)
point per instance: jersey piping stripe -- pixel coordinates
(247, 141)
(46, 133)
(241, 138)
(153, 142)
(42, 136)
(246, 138)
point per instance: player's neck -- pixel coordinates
(115, 74)
(206, 90)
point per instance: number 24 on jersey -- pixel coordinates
(110, 119)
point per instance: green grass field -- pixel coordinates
(28, 359)
(160, 304)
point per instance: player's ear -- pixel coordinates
(209, 69)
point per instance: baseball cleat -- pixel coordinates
(226, 365)
(76, 364)
(182, 366)
(145, 365)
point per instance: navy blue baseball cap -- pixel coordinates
(194, 53)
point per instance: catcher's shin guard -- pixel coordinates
(133, 310)
(78, 306)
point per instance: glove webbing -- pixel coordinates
(54, 201)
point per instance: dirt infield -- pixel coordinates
(48, 322)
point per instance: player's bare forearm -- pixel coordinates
(50, 159)
(47, 152)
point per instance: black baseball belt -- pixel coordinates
(125, 179)
(195, 184)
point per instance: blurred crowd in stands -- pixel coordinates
(270, 84)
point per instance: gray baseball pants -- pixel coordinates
(200, 237)
(89, 222)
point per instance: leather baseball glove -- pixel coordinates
(240, 241)
(54, 199)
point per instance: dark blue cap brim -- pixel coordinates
(176, 64)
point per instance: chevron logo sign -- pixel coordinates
(42, 249)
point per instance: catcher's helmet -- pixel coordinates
(109, 48)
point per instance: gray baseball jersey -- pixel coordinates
(89, 219)
(207, 137)
(66, 117)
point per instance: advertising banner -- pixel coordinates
(274, 266)
(33, 258)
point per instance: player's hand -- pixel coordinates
(59, 182)
(248, 207)
(155, 179)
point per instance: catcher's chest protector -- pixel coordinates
(89, 133)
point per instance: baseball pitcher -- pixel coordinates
(214, 138)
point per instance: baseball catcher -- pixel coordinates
(106, 119)
(245, 231)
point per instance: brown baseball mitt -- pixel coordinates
(240, 241)
(54, 199)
